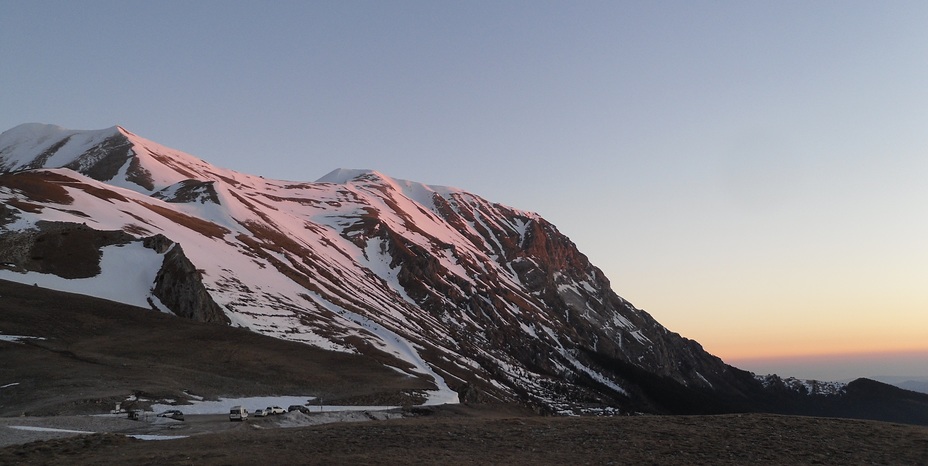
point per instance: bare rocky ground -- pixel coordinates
(94, 353)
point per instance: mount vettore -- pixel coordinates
(482, 300)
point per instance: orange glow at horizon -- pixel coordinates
(788, 318)
(784, 339)
(779, 345)
(841, 366)
(822, 353)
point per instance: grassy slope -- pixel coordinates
(96, 352)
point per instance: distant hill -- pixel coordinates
(915, 384)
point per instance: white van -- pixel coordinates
(238, 413)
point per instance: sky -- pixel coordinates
(753, 174)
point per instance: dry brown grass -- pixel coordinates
(39, 186)
(203, 227)
(100, 193)
(97, 352)
(497, 435)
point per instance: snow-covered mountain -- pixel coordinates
(485, 301)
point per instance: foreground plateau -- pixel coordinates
(486, 435)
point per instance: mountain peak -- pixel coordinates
(39, 131)
(344, 175)
(113, 155)
(419, 192)
(38, 145)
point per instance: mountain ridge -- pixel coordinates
(433, 281)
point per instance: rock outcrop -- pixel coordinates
(68, 250)
(179, 285)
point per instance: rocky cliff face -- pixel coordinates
(534, 314)
(179, 286)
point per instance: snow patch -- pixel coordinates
(127, 276)
(17, 338)
(403, 349)
(50, 429)
(156, 437)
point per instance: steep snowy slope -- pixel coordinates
(434, 281)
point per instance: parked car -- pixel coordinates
(275, 410)
(300, 408)
(259, 412)
(173, 414)
(238, 413)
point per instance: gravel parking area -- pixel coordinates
(19, 430)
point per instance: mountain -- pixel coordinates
(913, 383)
(480, 300)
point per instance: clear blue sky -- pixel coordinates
(753, 174)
